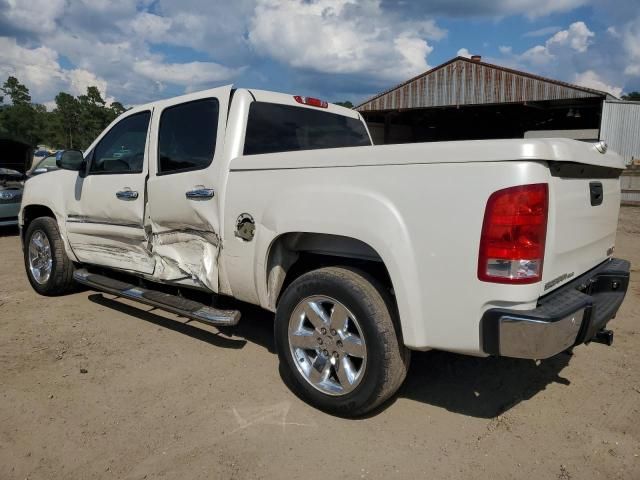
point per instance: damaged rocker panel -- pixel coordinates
(177, 254)
(98, 221)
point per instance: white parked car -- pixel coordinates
(363, 252)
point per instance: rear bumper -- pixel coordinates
(569, 316)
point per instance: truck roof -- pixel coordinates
(258, 95)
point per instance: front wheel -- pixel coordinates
(337, 341)
(49, 270)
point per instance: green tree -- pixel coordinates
(634, 96)
(17, 92)
(20, 120)
(117, 108)
(346, 104)
(74, 122)
(93, 96)
(66, 121)
(94, 116)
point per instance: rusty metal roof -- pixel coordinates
(462, 81)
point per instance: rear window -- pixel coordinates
(273, 128)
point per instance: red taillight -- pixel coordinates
(513, 235)
(312, 102)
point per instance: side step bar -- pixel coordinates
(165, 301)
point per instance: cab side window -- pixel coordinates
(187, 136)
(121, 150)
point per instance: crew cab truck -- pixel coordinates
(363, 252)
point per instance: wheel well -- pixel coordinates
(294, 254)
(31, 212)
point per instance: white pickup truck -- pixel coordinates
(363, 252)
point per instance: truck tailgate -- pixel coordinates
(584, 202)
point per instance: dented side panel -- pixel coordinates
(184, 232)
(115, 252)
(105, 228)
(186, 255)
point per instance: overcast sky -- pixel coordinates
(140, 50)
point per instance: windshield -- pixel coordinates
(48, 162)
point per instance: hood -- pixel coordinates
(15, 155)
(10, 178)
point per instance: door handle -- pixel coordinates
(127, 195)
(200, 194)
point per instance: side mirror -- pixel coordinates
(70, 160)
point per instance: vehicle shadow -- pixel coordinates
(256, 324)
(479, 387)
(215, 339)
(9, 231)
(476, 387)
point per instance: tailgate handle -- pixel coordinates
(595, 189)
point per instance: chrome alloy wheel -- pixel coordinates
(40, 260)
(327, 345)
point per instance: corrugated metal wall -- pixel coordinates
(630, 197)
(621, 128)
(464, 82)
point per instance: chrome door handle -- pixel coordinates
(127, 195)
(200, 194)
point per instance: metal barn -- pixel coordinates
(466, 99)
(621, 128)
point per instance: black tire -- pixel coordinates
(60, 280)
(387, 360)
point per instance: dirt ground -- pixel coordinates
(92, 387)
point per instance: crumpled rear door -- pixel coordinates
(183, 209)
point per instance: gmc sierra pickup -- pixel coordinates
(363, 252)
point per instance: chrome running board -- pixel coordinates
(165, 301)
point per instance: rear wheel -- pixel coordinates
(49, 270)
(338, 341)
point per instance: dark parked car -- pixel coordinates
(41, 154)
(11, 184)
(15, 157)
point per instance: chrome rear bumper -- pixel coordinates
(569, 316)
